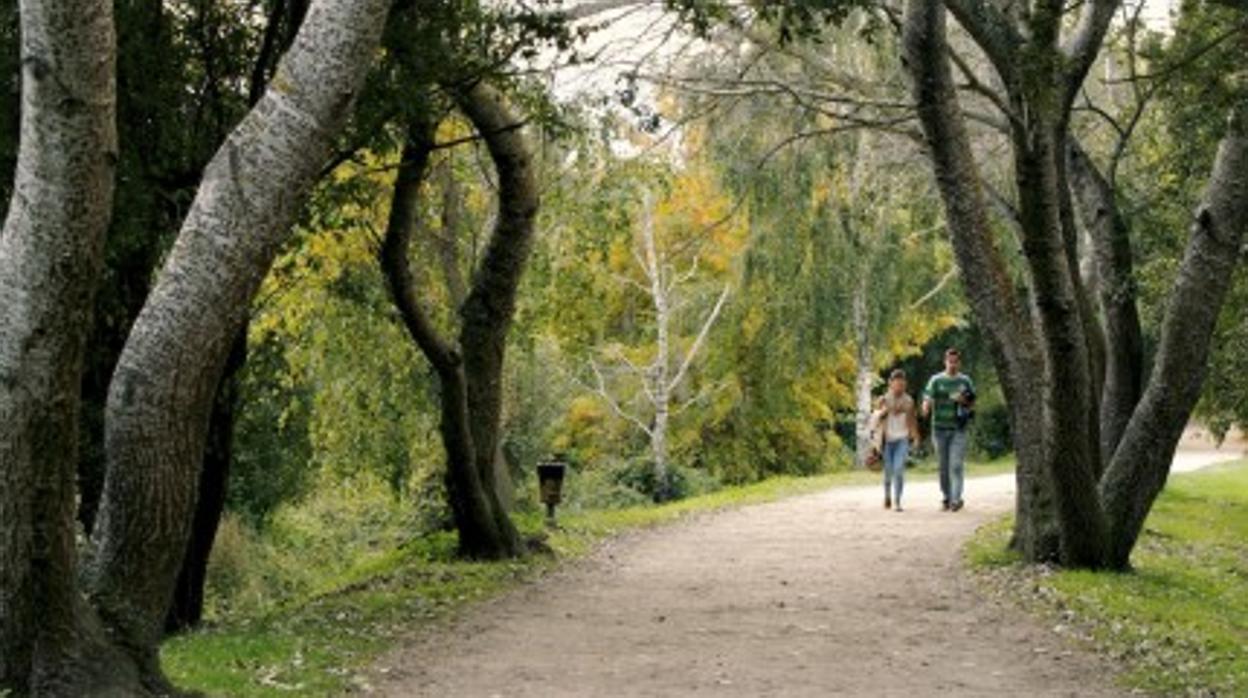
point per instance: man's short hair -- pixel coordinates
(897, 374)
(952, 351)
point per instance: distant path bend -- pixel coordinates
(820, 595)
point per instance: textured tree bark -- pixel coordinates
(476, 512)
(490, 306)
(1099, 516)
(187, 608)
(51, 253)
(1111, 245)
(162, 392)
(1067, 393)
(1141, 463)
(657, 375)
(1015, 345)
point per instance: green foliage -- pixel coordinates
(793, 19)
(307, 547)
(1200, 71)
(1179, 622)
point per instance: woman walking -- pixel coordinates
(901, 426)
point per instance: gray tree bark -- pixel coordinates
(1098, 525)
(1013, 339)
(1141, 463)
(162, 391)
(51, 255)
(1111, 250)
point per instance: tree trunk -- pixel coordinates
(1067, 394)
(1124, 340)
(656, 376)
(864, 375)
(490, 306)
(1098, 528)
(187, 608)
(51, 253)
(188, 599)
(162, 394)
(1141, 463)
(990, 291)
(485, 531)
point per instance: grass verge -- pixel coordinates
(1178, 624)
(322, 644)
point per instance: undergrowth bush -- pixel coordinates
(309, 546)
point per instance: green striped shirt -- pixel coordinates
(942, 390)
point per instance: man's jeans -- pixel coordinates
(951, 451)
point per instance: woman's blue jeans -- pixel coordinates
(895, 453)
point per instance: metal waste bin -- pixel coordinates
(550, 480)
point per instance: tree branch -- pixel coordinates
(1082, 48)
(992, 31)
(601, 391)
(394, 253)
(701, 339)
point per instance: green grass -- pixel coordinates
(1178, 624)
(322, 644)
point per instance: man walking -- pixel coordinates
(948, 398)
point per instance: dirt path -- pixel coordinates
(826, 594)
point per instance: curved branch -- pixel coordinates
(1083, 47)
(394, 252)
(992, 31)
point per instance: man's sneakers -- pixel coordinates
(898, 508)
(956, 505)
(944, 505)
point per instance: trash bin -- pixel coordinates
(550, 481)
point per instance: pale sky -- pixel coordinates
(642, 35)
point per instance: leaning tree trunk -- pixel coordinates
(162, 393)
(187, 609)
(1141, 463)
(51, 253)
(1015, 346)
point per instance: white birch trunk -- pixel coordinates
(658, 381)
(160, 399)
(864, 378)
(659, 390)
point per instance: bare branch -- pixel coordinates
(935, 291)
(701, 339)
(601, 391)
